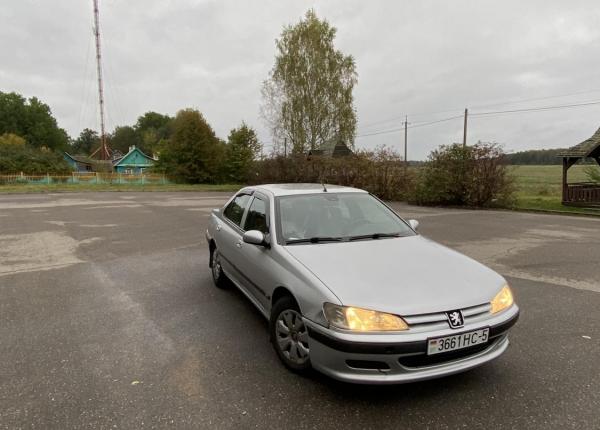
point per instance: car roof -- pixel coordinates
(295, 189)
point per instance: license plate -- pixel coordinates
(457, 341)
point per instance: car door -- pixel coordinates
(256, 261)
(228, 235)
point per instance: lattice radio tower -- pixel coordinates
(103, 152)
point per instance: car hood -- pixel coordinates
(406, 275)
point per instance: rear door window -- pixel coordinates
(235, 210)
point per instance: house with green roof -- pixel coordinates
(581, 193)
(134, 162)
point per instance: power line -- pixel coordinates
(543, 108)
(508, 102)
(489, 113)
(535, 99)
(393, 130)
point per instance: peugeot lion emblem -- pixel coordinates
(455, 319)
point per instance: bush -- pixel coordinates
(593, 173)
(380, 172)
(465, 176)
(16, 158)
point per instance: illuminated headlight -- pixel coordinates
(357, 319)
(504, 299)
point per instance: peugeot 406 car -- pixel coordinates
(353, 290)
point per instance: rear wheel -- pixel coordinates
(289, 335)
(218, 276)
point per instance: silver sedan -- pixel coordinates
(352, 290)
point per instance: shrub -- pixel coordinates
(16, 158)
(380, 172)
(465, 176)
(593, 173)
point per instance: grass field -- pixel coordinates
(540, 187)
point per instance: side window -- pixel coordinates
(235, 210)
(257, 217)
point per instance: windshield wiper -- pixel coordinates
(374, 236)
(316, 239)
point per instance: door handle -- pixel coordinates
(218, 227)
(238, 244)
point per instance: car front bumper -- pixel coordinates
(401, 357)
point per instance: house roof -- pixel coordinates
(588, 148)
(79, 158)
(135, 157)
(332, 148)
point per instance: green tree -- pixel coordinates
(123, 137)
(152, 128)
(242, 149)
(32, 120)
(193, 154)
(87, 142)
(307, 98)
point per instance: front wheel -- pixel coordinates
(289, 335)
(218, 276)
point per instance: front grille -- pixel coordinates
(439, 320)
(422, 360)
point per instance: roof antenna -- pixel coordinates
(324, 187)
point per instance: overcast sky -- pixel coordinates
(426, 59)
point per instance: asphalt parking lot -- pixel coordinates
(109, 319)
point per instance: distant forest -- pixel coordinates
(535, 156)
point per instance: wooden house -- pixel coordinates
(333, 148)
(134, 162)
(79, 163)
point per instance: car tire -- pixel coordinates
(289, 335)
(219, 278)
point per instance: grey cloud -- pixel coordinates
(414, 58)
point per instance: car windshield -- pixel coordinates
(334, 217)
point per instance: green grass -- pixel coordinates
(540, 188)
(59, 188)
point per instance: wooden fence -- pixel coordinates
(582, 194)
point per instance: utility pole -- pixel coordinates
(465, 128)
(406, 140)
(104, 151)
(285, 147)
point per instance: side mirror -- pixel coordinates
(414, 224)
(254, 237)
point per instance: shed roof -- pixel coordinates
(587, 148)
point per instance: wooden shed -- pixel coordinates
(581, 193)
